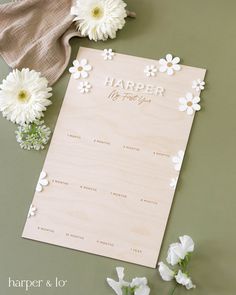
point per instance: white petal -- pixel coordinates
(84, 74)
(176, 60)
(115, 286)
(187, 243)
(197, 107)
(76, 63)
(120, 272)
(177, 67)
(72, 70)
(43, 174)
(166, 273)
(170, 71)
(189, 96)
(183, 100)
(84, 62)
(44, 182)
(39, 188)
(183, 108)
(189, 111)
(169, 57)
(162, 62)
(196, 99)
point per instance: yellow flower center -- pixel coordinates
(23, 96)
(169, 64)
(97, 12)
(189, 103)
(80, 69)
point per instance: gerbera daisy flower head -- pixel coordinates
(99, 19)
(24, 96)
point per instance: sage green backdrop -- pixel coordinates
(202, 33)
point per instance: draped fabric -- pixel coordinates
(35, 34)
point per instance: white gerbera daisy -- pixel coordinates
(24, 96)
(99, 19)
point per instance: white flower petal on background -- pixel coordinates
(140, 285)
(178, 251)
(24, 96)
(187, 243)
(198, 85)
(118, 285)
(178, 160)
(183, 279)
(150, 71)
(84, 87)
(166, 273)
(175, 254)
(169, 64)
(189, 103)
(173, 182)
(32, 211)
(80, 69)
(108, 54)
(99, 19)
(42, 182)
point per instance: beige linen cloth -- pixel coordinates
(35, 34)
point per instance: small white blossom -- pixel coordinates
(198, 85)
(185, 280)
(32, 211)
(138, 285)
(84, 87)
(80, 69)
(178, 160)
(169, 65)
(108, 54)
(189, 103)
(166, 273)
(150, 71)
(178, 251)
(33, 136)
(42, 181)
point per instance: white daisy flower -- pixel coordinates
(24, 96)
(178, 160)
(99, 19)
(42, 182)
(32, 211)
(108, 54)
(84, 87)
(173, 182)
(198, 85)
(189, 103)
(80, 69)
(150, 71)
(169, 64)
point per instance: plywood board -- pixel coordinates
(109, 164)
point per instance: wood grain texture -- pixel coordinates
(109, 162)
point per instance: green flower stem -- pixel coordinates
(173, 290)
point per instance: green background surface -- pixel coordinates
(202, 33)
